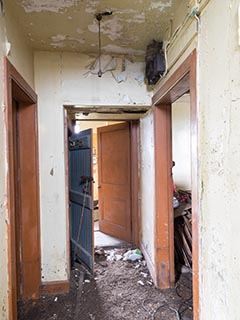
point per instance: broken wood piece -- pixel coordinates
(78, 299)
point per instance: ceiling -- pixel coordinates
(70, 25)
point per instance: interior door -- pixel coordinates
(114, 181)
(80, 196)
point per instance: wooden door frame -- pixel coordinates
(15, 87)
(182, 81)
(135, 143)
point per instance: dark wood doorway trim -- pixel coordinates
(182, 81)
(24, 185)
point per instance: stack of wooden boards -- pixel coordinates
(183, 229)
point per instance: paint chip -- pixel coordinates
(47, 5)
(111, 27)
(161, 5)
(110, 48)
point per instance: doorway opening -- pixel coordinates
(23, 189)
(183, 81)
(110, 170)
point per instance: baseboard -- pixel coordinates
(55, 287)
(149, 262)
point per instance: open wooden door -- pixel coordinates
(80, 196)
(115, 181)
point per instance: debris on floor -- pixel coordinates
(132, 255)
(118, 290)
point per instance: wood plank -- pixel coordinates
(54, 287)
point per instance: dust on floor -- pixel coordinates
(119, 290)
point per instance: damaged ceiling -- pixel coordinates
(70, 25)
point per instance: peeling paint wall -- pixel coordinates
(219, 153)
(130, 27)
(218, 110)
(3, 208)
(12, 44)
(64, 78)
(147, 185)
(18, 52)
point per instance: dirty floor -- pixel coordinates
(119, 290)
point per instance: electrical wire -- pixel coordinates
(182, 308)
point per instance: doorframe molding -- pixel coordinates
(15, 87)
(182, 81)
(135, 183)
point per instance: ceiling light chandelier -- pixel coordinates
(99, 17)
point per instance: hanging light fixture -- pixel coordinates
(99, 17)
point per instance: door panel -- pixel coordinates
(80, 196)
(114, 181)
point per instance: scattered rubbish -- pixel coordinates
(87, 281)
(185, 269)
(120, 297)
(133, 255)
(111, 256)
(118, 257)
(56, 299)
(115, 255)
(175, 203)
(144, 274)
(100, 252)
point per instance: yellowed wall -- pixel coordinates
(181, 144)
(147, 185)
(3, 208)
(60, 79)
(218, 111)
(21, 56)
(219, 154)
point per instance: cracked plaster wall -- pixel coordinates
(12, 45)
(218, 153)
(3, 208)
(64, 78)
